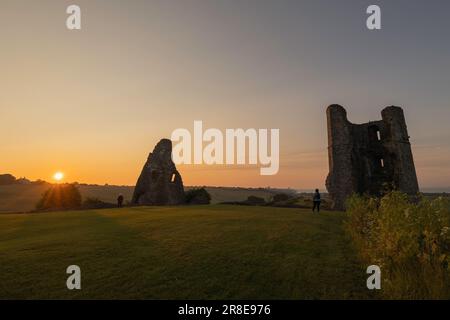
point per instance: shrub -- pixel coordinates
(255, 201)
(60, 197)
(409, 241)
(95, 203)
(198, 196)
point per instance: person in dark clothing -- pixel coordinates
(316, 201)
(119, 201)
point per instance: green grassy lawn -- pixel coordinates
(198, 252)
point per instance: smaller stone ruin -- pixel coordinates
(159, 183)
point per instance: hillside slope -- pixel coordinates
(23, 198)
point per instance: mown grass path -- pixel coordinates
(198, 252)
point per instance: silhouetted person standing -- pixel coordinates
(119, 201)
(316, 201)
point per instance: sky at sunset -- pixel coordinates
(93, 103)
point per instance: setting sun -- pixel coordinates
(58, 176)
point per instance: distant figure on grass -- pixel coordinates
(316, 201)
(119, 201)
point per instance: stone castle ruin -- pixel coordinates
(159, 183)
(364, 158)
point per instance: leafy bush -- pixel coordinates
(198, 196)
(60, 197)
(255, 201)
(95, 203)
(409, 241)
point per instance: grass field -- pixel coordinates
(207, 252)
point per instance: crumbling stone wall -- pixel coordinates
(365, 157)
(159, 183)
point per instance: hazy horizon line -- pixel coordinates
(428, 189)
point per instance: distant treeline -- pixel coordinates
(9, 179)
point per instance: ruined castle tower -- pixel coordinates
(365, 157)
(159, 183)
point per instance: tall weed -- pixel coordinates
(410, 241)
